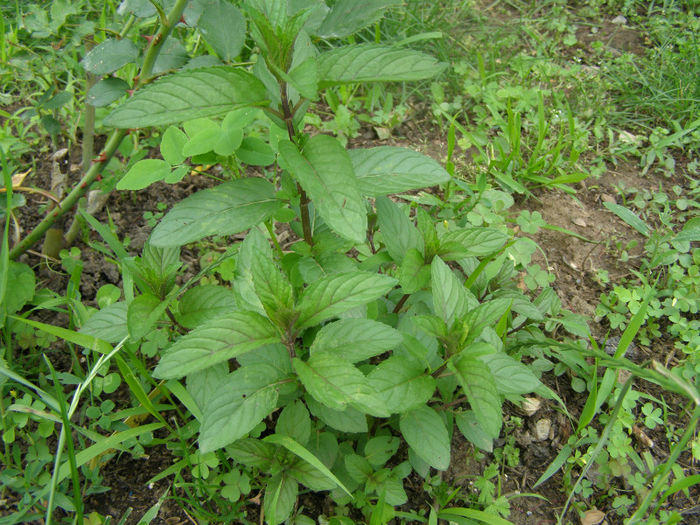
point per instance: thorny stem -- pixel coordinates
(88, 147)
(112, 142)
(89, 133)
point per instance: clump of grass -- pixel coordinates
(662, 86)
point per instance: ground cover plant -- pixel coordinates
(310, 321)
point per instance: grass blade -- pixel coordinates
(84, 340)
(77, 497)
(628, 217)
(474, 514)
(555, 465)
(299, 450)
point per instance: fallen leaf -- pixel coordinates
(530, 405)
(641, 436)
(542, 429)
(382, 133)
(18, 178)
(593, 517)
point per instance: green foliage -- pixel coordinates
(343, 359)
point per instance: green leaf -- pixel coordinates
(449, 295)
(307, 475)
(223, 27)
(388, 169)
(480, 388)
(485, 314)
(255, 152)
(426, 226)
(414, 274)
(243, 286)
(427, 435)
(272, 288)
(294, 422)
(336, 383)
(348, 420)
(203, 141)
(218, 340)
(402, 384)
(280, 496)
(109, 324)
(471, 242)
(244, 398)
(356, 339)
(349, 16)
(380, 449)
(374, 63)
(204, 385)
(252, 453)
(109, 56)
(471, 429)
(358, 467)
(106, 91)
(171, 144)
(628, 217)
(143, 313)
(511, 376)
(20, 291)
(223, 210)
(143, 174)
(337, 293)
(690, 231)
(304, 78)
(326, 174)
(298, 450)
(204, 302)
(187, 95)
(398, 232)
(172, 56)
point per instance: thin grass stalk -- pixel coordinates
(105, 358)
(77, 497)
(599, 447)
(660, 480)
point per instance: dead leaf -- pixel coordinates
(641, 436)
(58, 155)
(543, 428)
(593, 517)
(530, 405)
(18, 178)
(382, 133)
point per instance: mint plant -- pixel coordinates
(375, 314)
